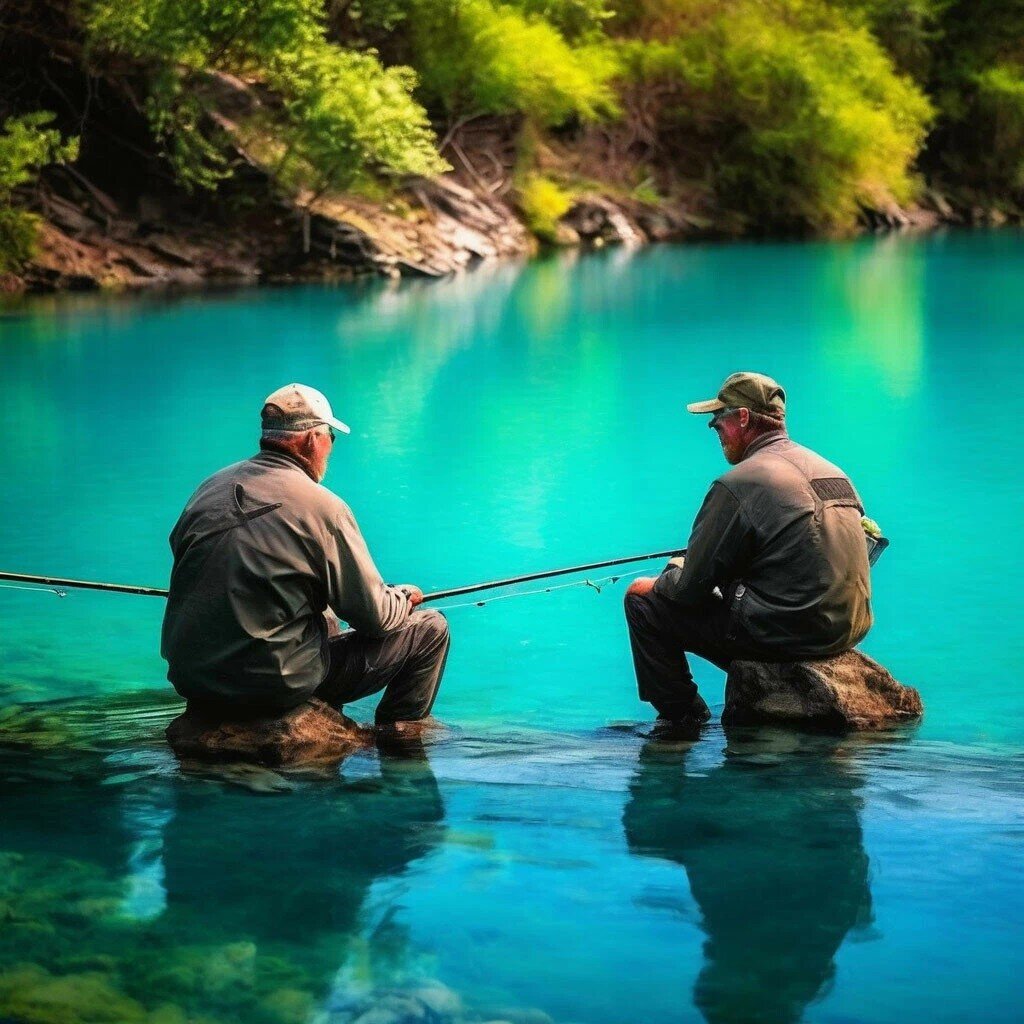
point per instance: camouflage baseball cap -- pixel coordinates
(745, 390)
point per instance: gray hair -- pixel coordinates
(283, 436)
(275, 437)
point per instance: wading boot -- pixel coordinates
(681, 721)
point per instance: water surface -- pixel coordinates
(542, 859)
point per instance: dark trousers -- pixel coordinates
(406, 664)
(661, 633)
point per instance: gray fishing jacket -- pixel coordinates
(260, 553)
(780, 536)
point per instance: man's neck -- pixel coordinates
(763, 440)
(294, 457)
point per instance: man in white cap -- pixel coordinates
(776, 568)
(265, 558)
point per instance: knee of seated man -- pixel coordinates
(634, 602)
(432, 622)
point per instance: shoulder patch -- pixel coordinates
(834, 488)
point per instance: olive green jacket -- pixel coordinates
(261, 551)
(780, 536)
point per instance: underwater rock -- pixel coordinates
(394, 1008)
(521, 1015)
(424, 1002)
(313, 731)
(845, 693)
(439, 999)
(289, 1006)
(31, 995)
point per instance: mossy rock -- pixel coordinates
(31, 995)
(312, 732)
(846, 693)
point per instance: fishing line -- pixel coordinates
(597, 585)
(35, 590)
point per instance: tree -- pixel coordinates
(26, 145)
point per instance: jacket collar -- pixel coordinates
(281, 459)
(772, 437)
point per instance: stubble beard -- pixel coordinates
(732, 451)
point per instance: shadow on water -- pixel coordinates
(772, 845)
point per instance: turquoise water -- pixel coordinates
(546, 857)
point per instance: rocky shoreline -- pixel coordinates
(155, 237)
(89, 241)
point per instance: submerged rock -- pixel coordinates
(313, 731)
(31, 995)
(845, 693)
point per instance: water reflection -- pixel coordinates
(288, 869)
(152, 889)
(772, 845)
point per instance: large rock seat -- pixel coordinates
(313, 731)
(846, 693)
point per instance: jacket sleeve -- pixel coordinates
(355, 590)
(719, 549)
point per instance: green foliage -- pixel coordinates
(543, 203)
(478, 57)
(978, 65)
(801, 112)
(177, 117)
(908, 29)
(345, 115)
(1000, 124)
(26, 145)
(577, 20)
(349, 115)
(795, 112)
(228, 34)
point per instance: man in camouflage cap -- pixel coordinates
(776, 567)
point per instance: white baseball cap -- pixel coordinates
(301, 408)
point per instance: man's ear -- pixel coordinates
(309, 443)
(744, 418)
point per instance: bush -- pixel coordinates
(577, 20)
(476, 57)
(26, 145)
(908, 29)
(999, 158)
(798, 114)
(543, 203)
(346, 116)
(350, 118)
(978, 65)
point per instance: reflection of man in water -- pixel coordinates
(291, 872)
(776, 863)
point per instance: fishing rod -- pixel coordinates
(473, 588)
(59, 583)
